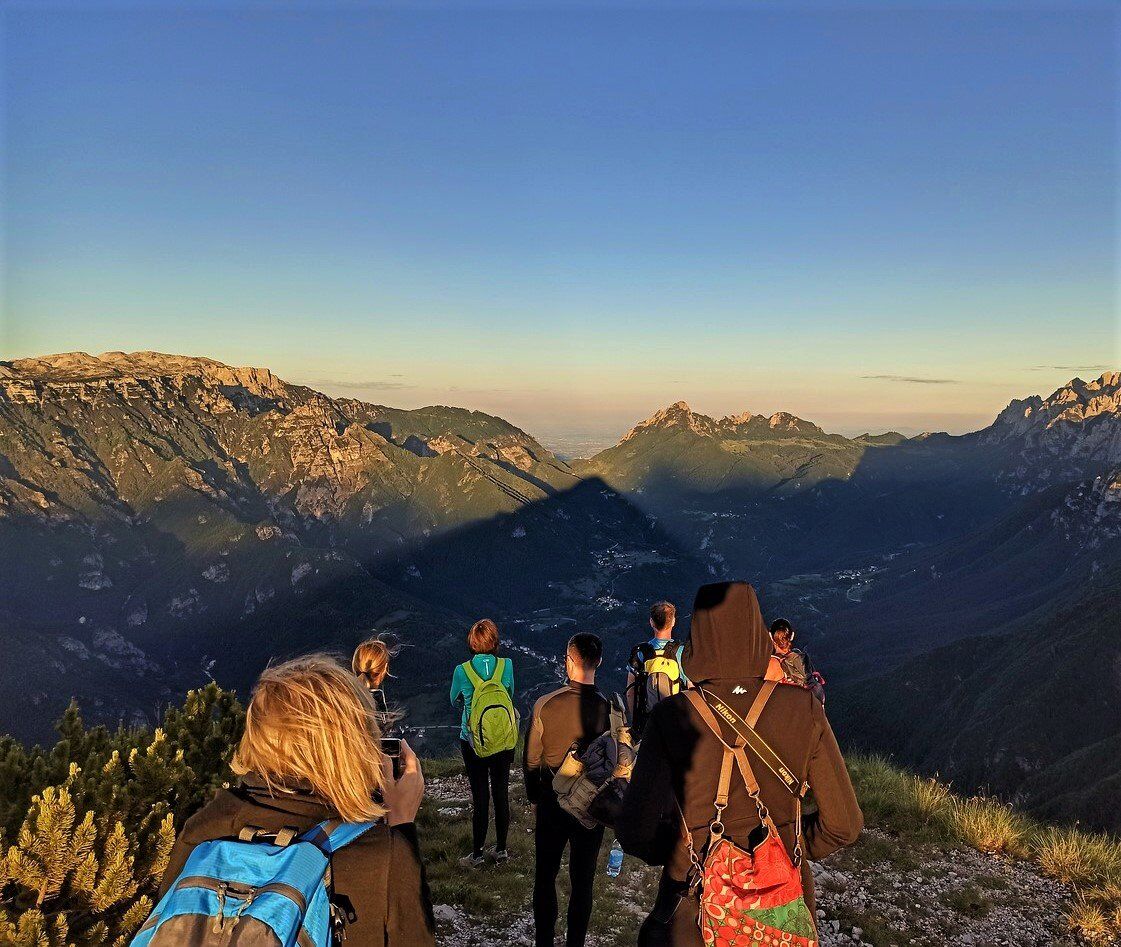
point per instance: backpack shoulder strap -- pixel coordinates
(762, 749)
(707, 715)
(333, 834)
(472, 674)
(618, 719)
(499, 669)
(760, 702)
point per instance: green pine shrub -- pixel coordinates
(86, 827)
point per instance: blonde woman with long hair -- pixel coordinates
(311, 752)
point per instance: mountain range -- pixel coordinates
(164, 519)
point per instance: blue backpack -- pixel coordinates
(253, 893)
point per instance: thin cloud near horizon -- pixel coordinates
(1070, 368)
(913, 379)
(380, 385)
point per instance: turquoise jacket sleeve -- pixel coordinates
(459, 684)
(508, 677)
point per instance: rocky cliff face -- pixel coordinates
(1075, 430)
(124, 430)
(157, 512)
(164, 517)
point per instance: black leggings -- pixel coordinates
(555, 831)
(489, 774)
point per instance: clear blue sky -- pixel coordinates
(873, 216)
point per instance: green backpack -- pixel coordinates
(493, 723)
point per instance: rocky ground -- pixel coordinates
(880, 893)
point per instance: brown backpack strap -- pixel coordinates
(746, 735)
(750, 737)
(753, 716)
(706, 713)
(725, 784)
(760, 702)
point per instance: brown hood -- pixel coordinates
(728, 639)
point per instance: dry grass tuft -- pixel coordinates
(990, 826)
(1089, 921)
(1076, 857)
(932, 798)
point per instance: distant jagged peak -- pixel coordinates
(784, 421)
(79, 367)
(680, 415)
(744, 417)
(677, 415)
(1076, 402)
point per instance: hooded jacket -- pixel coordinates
(727, 654)
(379, 874)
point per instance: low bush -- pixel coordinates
(88, 824)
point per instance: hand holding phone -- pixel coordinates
(391, 747)
(403, 794)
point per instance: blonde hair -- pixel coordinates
(371, 661)
(310, 720)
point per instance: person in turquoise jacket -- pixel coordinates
(489, 775)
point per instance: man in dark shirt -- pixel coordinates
(574, 714)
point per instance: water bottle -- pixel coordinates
(615, 860)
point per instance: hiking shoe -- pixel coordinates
(499, 855)
(471, 860)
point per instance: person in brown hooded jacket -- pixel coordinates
(679, 763)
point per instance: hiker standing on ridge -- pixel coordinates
(370, 663)
(791, 665)
(488, 734)
(574, 714)
(722, 771)
(654, 671)
(787, 662)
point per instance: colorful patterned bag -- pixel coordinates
(749, 897)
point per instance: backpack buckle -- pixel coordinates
(219, 924)
(338, 924)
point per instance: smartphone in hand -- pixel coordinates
(391, 747)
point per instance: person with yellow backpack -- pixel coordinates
(488, 734)
(654, 671)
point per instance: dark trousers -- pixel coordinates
(488, 775)
(673, 921)
(555, 830)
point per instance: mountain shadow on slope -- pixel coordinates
(1028, 706)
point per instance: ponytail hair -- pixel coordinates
(371, 661)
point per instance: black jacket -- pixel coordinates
(380, 873)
